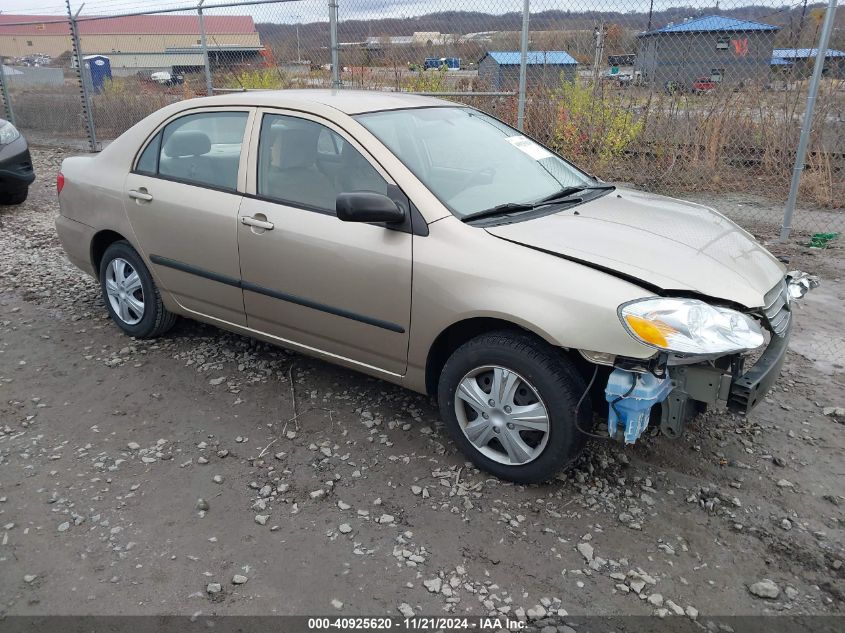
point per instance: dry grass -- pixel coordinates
(731, 140)
(742, 140)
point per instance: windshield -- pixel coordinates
(470, 160)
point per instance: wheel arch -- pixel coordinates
(458, 333)
(99, 243)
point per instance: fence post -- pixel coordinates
(523, 63)
(333, 43)
(807, 124)
(209, 86)
(4, 92)
(83, 82)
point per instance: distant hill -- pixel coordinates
(474, 21)
(314, 36)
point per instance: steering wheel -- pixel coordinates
(481, 176)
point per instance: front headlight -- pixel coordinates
(8, 133)
(689, 326)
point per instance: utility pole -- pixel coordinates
(650, 12)
(298, 55)
(597, 63)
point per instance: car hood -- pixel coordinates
(661, 242)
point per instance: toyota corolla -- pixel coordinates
(433, 246)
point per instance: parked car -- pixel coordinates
(434, 246)
(16, 171)
(165, 78)
(703, 85)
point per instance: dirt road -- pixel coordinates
(205, 472)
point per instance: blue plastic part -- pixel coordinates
(632, 411)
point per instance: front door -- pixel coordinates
(182, 200)
(339, 288)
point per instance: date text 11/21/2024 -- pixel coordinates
(420, 623)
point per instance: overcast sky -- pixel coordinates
(317, 10)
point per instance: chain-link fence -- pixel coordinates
(672, 98)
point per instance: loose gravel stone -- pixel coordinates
(238, 579)
(765, 589)
(433, 585)
(586, 551)
(406, 610)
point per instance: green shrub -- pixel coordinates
(591, 129)
(257, 79)
(426, 81)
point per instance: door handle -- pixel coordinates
(140, 195)
(259, 224)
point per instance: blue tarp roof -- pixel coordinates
(714, 23)
(545, 58)
(804, 53)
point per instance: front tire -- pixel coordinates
(130, 294)
(508, 400)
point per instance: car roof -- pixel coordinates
(347, 101)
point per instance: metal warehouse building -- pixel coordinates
(142, 34)
(800, 61)
(500, 69)
(724, 49)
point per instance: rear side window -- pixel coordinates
(148, 163)
(201, 149)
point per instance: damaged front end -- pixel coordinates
(701, 359)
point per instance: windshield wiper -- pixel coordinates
(500, 209)
(568, 191)
(509, 207)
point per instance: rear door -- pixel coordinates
(339, 288)
(182, 198)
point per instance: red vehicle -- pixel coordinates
(703, 85)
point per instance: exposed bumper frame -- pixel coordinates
(747, 390)
(711, 385)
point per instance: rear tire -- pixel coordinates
(522, 426)
(130, 294)
(14, 197)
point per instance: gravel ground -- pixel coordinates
(209, 473)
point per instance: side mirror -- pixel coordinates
(366, 206)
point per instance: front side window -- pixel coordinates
(472, 161)
(306, 164)
(201, 149)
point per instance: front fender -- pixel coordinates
(567, 304)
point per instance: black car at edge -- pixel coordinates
(16, 171)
